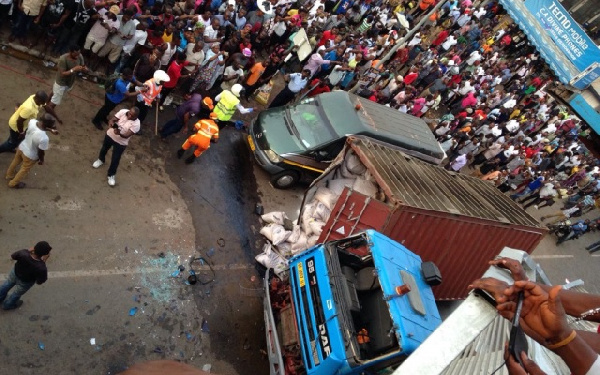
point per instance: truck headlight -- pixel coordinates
(273, 157)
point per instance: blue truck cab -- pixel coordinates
(352, 306)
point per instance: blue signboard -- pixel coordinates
(587, 77)
(565, 32)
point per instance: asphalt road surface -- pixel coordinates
(114, 297)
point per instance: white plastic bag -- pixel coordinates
(337, 185)
(316, 227)
(275, 217)
(275, 233)
(296, 232)
(368, 188)
(307, 214)
(321, 213)
(325, 196)
(345, 173)
(272, 259)
(300, 245)
(312, 241)
(285, 249)
(353, 164)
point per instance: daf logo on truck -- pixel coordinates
(324, 340)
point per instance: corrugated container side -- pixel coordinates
(460, 246)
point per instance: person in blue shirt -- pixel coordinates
(576, 230)
(530, 188)
(116, 96)
(333, 55)
(296, 82)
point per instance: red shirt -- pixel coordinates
(529, 152)
(174, 72)
(164, 20)
(441, 38)
(456, 79)
(402, 55)
(319, 89)
(410, 78)
(155, 40)
(327, 35)
(537, 82)
(479, 113)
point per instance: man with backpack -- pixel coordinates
(117, 90)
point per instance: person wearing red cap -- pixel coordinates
(194, 106)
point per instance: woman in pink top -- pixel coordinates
(417, 106)
(469, 101)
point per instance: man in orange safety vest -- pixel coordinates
(146, 98)
(207, 130)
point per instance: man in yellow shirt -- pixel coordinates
(27, 111)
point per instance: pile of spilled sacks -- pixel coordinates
(287, 238)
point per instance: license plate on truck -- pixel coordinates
(251, 143)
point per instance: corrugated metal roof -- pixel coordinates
(486, 353)
(471, 339)
(418, 184)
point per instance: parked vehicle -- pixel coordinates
(456, 221)
(351, 306)
(298, 142)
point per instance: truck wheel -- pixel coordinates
(285, 179)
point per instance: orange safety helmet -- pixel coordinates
(208, 102)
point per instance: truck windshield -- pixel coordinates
(312, 128)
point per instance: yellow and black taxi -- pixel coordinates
(297, 142)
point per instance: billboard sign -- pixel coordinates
(566, 33)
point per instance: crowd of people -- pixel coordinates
(467, 64)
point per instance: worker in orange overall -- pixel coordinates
(207, 130)
(146, 98)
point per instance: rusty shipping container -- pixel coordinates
(458, 222)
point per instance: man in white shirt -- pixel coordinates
(140, 36)
(121, 127)
(474, 56)
(489, 128)
(107, 22)
(510, 103)
(459, 162)
(31, 150)
(211, 33)
(297, 81)
(512, 126)
(114, 45)
(564, 214)
(466, 88)
(478, 13)
(195, 55)
(449, 42)
(233, 73)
